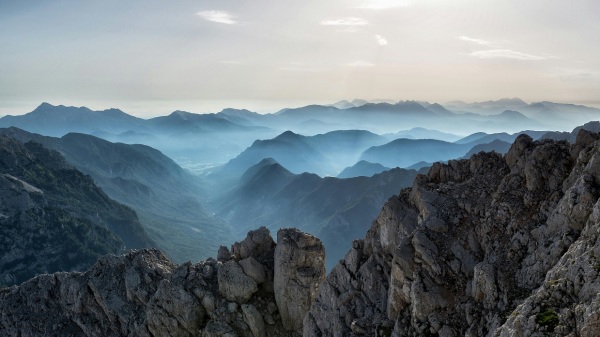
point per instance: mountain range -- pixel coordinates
(336, 210)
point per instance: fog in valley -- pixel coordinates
(198, 181)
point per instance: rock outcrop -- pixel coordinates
(490, 246)
(299, 269)
(143, 293)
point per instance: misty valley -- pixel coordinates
(195, 182)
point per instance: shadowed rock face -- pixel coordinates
(490, 246)
(144, 294)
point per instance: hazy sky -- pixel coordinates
(151, 57)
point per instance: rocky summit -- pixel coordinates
(488, 246)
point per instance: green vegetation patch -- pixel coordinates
(547, 317)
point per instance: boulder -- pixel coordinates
(234, 284)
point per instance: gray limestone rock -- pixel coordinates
(490, 246)
(254, 320)
(299, 268)
(254, 269)
(234, 284)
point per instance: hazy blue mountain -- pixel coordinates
(323, 154)
(293, 150)
(343, 104)
(59, 120)
(549, 115)
(362, 169)
(182, 122)
(53, 217)
(422, 133)
(484, 138)
(313, 127)
(488, 107)
(496, 145)
(572, 136)
(471, 138)
(184, 136)
(408, 152)
(336, 210)
(422, 165)
(166, 197)
(438, 109)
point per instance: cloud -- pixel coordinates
(359, 63)
(217, 16)
(350, 21)
(381, 40)
(383, 4)
(506, 54)
(470, 39)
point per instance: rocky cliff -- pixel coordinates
(256, 288)
(490, 246)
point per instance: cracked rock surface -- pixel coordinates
(490, 246)
(143, 293)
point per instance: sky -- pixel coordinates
(151, 57)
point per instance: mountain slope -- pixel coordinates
(166, 197)
(362, 168)
(335, 209)
(59, 120)
(497, 146)
(54, 218)
(323, 154)
(406, 152)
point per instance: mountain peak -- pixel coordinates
(288, 135)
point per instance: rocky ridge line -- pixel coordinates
(490, 246)
(143, 293)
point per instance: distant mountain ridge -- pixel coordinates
(337, 210)
(362, 169)
(323, 154)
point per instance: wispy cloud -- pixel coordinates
(350, 21)
(473, 40)
(383, 4)
(218, 16)
(359, 63)
(381, 40)
(506, 54)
